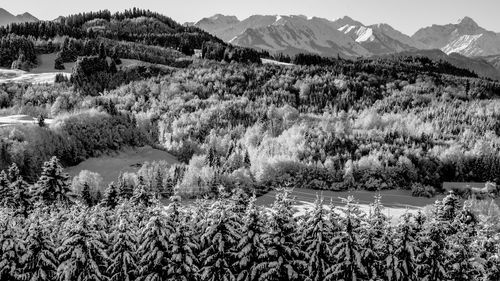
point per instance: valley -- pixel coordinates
(134, 147)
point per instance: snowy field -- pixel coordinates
(20, 119)
(20, 76)
(128, 160)
(395, 202)
(268, 61)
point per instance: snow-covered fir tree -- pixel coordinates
(12, 248)
(217, 244)
(53, 185)
(283, 259)
(82, 255)
(317, 233)
(110, 199)
(347, 249)
(21, 196)
(40, 260)
(182, 245)
(250, 247)
(123, 262)
(153, 251)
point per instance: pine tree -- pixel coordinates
(159, 188)
(82, 254)
(218, 241)
(11, 250)
(102, 51)
(13, 173)
(141, 195)
(182, 266)
(462, 251)
(40, 261)
(53, 184)
(373, 234)
(347, 249)
(405, 251)
(6, 193)
(125, 190)
(153, 252)
(110, 199)
(85, 197)
(22, 197)
(122, 255)
(251, 246)
(246, 160)
(284, 260)
(449, 208)
(434, 255)
(316, 235)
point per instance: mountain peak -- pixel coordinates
(4, 12)
(467, 21)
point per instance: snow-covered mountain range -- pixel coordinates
(346, 36)
(464, 44)
(7, 18)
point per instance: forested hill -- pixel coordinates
(136, 25)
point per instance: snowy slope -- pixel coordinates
(379, 39)
(465, 37)
(295, 34)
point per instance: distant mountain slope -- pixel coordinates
(465, 37)
(293, 34)
(380, 38)
(479, 65)
(7, 18)
(298, 34)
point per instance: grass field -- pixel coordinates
(128, 160)
(396, 202)
(46, 64)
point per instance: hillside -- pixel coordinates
(8, 18)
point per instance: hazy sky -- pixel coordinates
(405, 15)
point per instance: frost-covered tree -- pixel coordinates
(40, 260)
(13, 172)
(374, 241)
(85, 196)
(433, 258)
(82, 254)
(5, 191)
(153, 251)
(347, 249)
(405, 251)
(315, 237)
(22, 196)
(284, 259)
(110, 199)
(53, 185)
(125, 189)
(217, 244)
(462, 249)
(142, 196)
(123, 262)
(12, 248)
(250, 246)
(182, 266)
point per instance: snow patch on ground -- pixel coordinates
(20, 76)
(20, 119)
(364, 34)
(268, 61)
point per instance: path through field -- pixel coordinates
(396, 202)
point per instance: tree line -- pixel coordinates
(49, 234)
